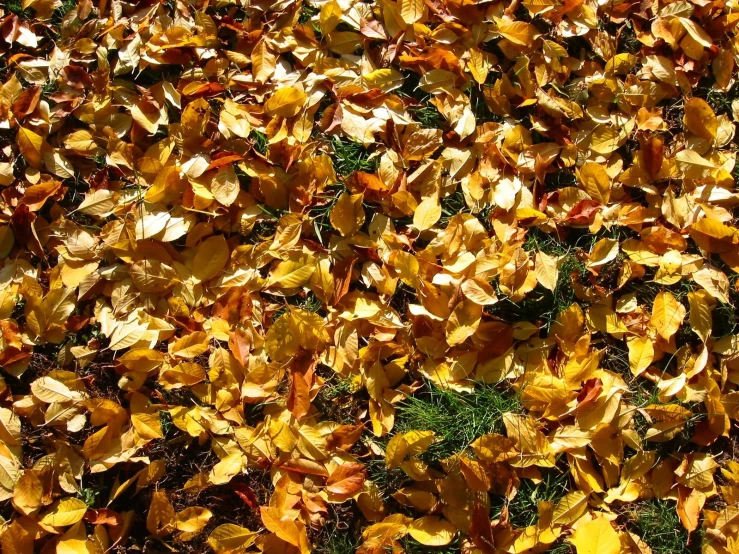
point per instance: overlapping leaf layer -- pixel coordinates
(377, 276)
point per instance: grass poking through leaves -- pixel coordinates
(456, 418)
(657, 523)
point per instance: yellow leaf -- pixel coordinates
(621, 64)
(226, 469)
(432, 531)
(700, 318)
(696, 32)
(570, 508)
(225, 185)
(689, 506)
(427, 213)
(347, 215)
(667, 315)
(287, 530)
(48, 389)
(641, 354)
(478, 65)
(418, 441)
(30, 144)
(285, 102)
(701, 119)
(406, 265)
(58, 306)
(596, 537)
(148, 426)
(714, 282)
(603, 252)
(479, 291)
(291, 273)
(58, 164)
(595, 181)
(65, 512)
(190, 346)
(534, 447)
(330, 16)
(230, 539)
(714, 236)
(99, 203)
(569, 437)
(386, 79)
(195, 117)
(463, 322)
(693, 165)
(606, 139)
(28, 493)
(74, 541)
(518, 32)
(192, 520)
(160, 517)
(263, 61)
(211, 257)
(411, 10)
(547, 270)
(396, 451)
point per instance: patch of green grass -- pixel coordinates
(89, 496)
(657, 523)
(165, 421)
(350, 156)
(336, 541)
(428, 116)
(420, 106)
(456, 418)
(264, 229)
(306, 13)
(616, 358)
(100, 161)
(541, 241)
(305, 301)
(387, 480)
(310, 302)
(340, 386)
(480, 108)
(321, 214)
(523, 510)
(87, 333)
(628, 41)
(541, 304)
(561, 547)
(336, 401)
(59, 13)
(260, 141)
(456, 204)
(719, 101)
(16, 7)
(561, 178)
(452, 205)
(725, 320)
(47, 89)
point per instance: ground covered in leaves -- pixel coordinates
(369, 276)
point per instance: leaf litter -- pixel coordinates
(383, 276)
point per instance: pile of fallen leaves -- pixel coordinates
(237, 237)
